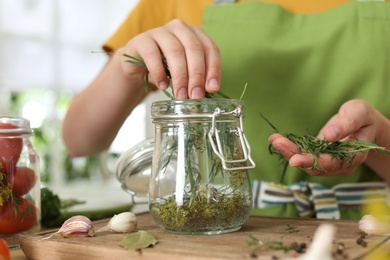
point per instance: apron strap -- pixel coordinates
(316, 199)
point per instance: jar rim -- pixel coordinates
(205, 101)
(22, 125)
(203, 108)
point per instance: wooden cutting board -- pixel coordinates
(170, 246)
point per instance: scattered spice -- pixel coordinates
(340, 248)
(321, 248)
(298, 247)
(361, 241)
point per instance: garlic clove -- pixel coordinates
(76, 226)
(321, 248)
(372, 226)
(122, 223)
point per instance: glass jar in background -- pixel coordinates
(199, 182)
(19, 180)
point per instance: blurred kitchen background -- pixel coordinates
(47, 56)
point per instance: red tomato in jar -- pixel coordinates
(22, 179)
(4, 251)
(10, 148)
(17, 215)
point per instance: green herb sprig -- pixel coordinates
(255, 244)
(291, 229)
(343, 151)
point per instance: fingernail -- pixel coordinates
(197, 93)
(213, 84)
(334, 132)
(182, 93)
(163, 85)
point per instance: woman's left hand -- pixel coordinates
(356, 120)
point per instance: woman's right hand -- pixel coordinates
(98, 112)
(192, 57)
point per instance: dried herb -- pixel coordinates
(206, 212)
(343, 151)
(255, 244)
(5, 189)
(291, 229)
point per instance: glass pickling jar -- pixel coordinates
(19, 180)
(199, 181)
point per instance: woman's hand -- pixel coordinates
(356, 120)
(100, 110)
(192, 57)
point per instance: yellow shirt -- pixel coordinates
(149, 14)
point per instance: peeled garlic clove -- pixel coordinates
(372, 226)
(121, 223)
(76, 226)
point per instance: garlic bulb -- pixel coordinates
(121, 223)
(372, 226)
(76, 226)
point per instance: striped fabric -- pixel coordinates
(313, 199)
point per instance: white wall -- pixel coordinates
(48, 44)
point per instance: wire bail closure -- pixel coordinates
(217, 147)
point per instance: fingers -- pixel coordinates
(284, 146)
(355, 120)
(326, 164)
(319, 165)
(192, 57)
(212, 61)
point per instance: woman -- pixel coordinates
(320, 67)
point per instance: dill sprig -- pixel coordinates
(343, 151)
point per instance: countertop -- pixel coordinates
(224, 246)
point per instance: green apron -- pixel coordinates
(299, 70)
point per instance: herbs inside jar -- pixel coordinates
(199, 182)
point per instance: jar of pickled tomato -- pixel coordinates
(19, 180)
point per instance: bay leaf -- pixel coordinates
(138, 240)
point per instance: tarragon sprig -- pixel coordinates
(343, 151)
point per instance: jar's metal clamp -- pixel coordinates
(239, 131)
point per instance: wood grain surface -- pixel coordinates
(226, 246)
